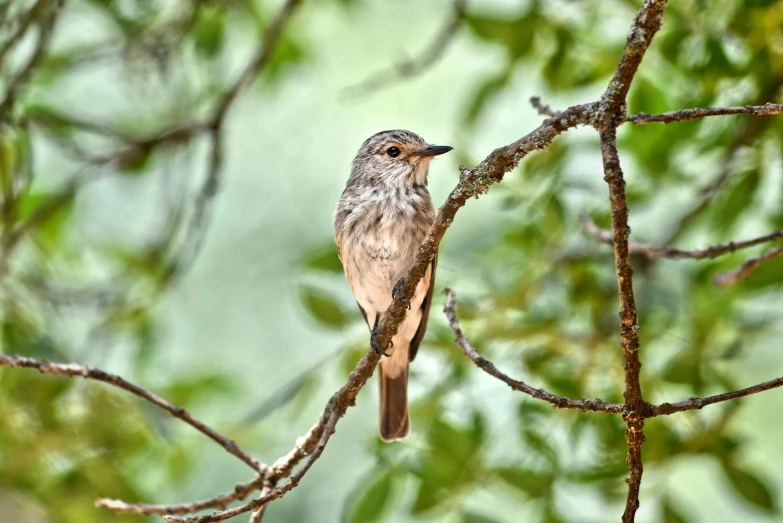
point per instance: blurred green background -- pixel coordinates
(255, 328)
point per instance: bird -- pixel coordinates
(382, 217)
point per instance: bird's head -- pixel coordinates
(397, 158)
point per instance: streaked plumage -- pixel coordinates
(383, 215)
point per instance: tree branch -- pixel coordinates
(674, 253)
(629, 326)
(75, 371)
(647, 23)
(693, 114)
(584, 405)
(665, 409)
(612, 108)
(241, 491)
(415, 66)
(743, 271)
(326, 432)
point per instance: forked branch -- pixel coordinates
(80, 371)
(743, 271)
(648, 22)
(584, 404)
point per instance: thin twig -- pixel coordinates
(415, 66)
(21, 77)
(73, 370)
(198, 223)
(258, 62)
(652, 251)
(278, 492)
(584, 405)
(241, 491)
(768, 109)
(743, 271)
(745, 135)
(542, 108)
(258, 514)
(665, 409)
(23, 24)
(693, 114)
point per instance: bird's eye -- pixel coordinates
(393, 152)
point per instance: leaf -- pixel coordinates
(684, 368)
(669, 513)
(287, 53)
(209, 33)
(766, 275)
(453, 461)
(485, 92)
(51, 211)
(551, 515)
(50, 118)
(533, 483)
(608, 470)
(135, 160)
(479, 429)
(515, 35)
(727, 211)
(531, 412)
(324, 258)
(7, 161)
(282, 397)
(541, 446)
(25, 341)
(186, 390)
(370, 506)
(351, 356)
(473, 517)
(751, 488)
(323, 307)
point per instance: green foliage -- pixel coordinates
(374, 500)
(323, 307)
(64, 443)
(751, 488)
(540, 298)
(546, 308)
(323, 259)
(528, 481)
(450, 463)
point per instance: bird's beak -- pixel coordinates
(433, 150)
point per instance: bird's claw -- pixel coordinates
(374, 344)
(397, 291)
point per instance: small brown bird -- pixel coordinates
(382, 217)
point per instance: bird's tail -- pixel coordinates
(395, 419)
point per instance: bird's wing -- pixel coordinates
(364, 314)
(425, 313)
